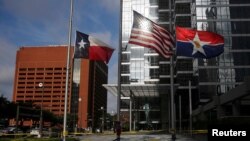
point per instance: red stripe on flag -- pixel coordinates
(100, 53)
(154, 37)
(153, 43)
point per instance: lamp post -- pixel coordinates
(41, 112)
(80, 117)
(102, 119)
(112, 115)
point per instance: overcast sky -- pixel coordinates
(46, 22)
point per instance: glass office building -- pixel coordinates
(220, 75)
(143, 72)
(145, 76)
(230, 19)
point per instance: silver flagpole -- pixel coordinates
(190, 106)
(172, 78)
(67, 74)
(119, 64)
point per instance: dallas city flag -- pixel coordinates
(91, 48)
(148, 34)
(198, 44)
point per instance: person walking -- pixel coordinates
(118, 130)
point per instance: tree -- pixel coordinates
(27, 110)
(3, 106)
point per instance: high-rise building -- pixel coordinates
(145, 76)
(218, 76)
(89, 97)
(47, 65)
(186, 68)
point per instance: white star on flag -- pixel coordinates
(198, 45)
(82, 44)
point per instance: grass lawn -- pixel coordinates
(36, 139)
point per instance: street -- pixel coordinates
(158, 137)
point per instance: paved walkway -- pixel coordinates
(158, 137)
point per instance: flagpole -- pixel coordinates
(172, 78)
(119, 64)
(67, 74)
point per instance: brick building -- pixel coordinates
(47, 65)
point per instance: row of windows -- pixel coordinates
(35, 99)
(49, 92)
(185, 65)
(221, 2)
(45, 82)
(40, 69)
(163, 4)
(163, 17)
(141, 55)
(183, 21)
(162, 67)
(38, 97)
(182, 8)
(224, 27)
(44, 101)
(40, 78)
(236, 74)
(42, 73)
(45, 87)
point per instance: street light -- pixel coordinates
(41, 112)
(102, 126)
(112, 115)
(80, 117)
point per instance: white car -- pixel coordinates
(35, 132)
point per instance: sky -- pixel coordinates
(46, 22)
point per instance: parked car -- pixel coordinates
(34, 132)
(12, 130)
(45, 132)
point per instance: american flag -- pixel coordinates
(148, 34)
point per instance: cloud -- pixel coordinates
(45, 22)
(40, 21)
(6, 80)
(7, 63)
(104, 36)
(110, 5)
(42, 10)
(25, 23)
(7, 73)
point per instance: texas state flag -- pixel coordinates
(91, 48)
(198, 44)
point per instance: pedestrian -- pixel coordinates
(118, 130)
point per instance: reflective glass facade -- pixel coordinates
(209, 77)
(230, 19)
(139, 64)
(143, 66)
(88, 94)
